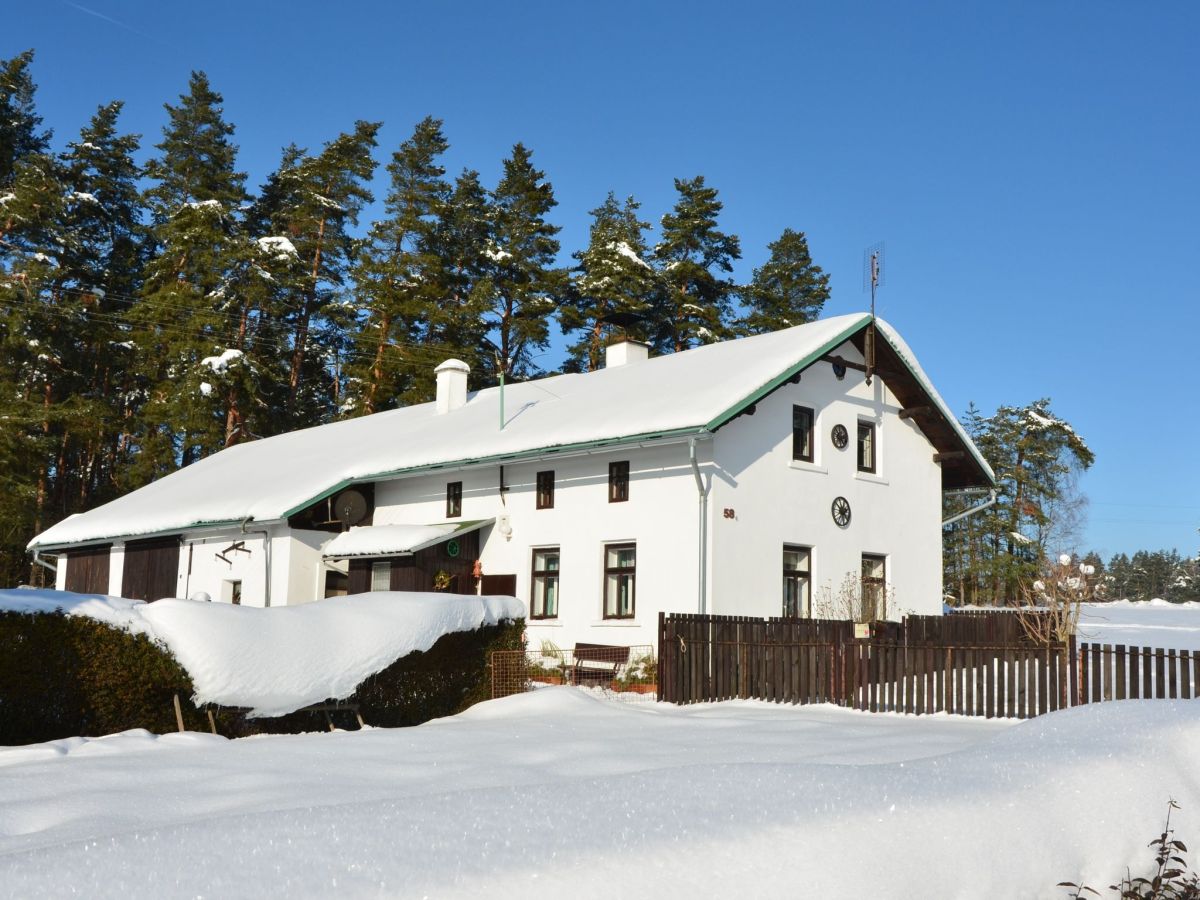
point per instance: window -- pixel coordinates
(544, 593)
(874, 587)
(453, 499)
(620, 571)
(545, 490)
(797, 581)
(618, 482)
(802, 433)
(866, 446)
(231, 592)
(381, 575)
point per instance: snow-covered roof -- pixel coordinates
(691, 392)
(386, 540)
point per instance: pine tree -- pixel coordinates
(789, 289)
(398, 277)
(614, 287)
(693, 257)
(320, 198)
(20, 136)
(100, 272)
(524, 281)
(1033, 453)
(185, 312)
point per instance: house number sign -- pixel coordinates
(729, 513)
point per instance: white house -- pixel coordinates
(747, 477)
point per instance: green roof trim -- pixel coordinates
(789, 373)
(213, 523)
(518, 456)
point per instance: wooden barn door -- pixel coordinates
(151, 569)
(87, 569)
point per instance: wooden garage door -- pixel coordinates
(151, 569)
(87, 569)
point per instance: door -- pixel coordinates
(498, 585)
(151, 569)
(87, 570)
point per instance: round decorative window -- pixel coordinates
(453, 549)
(840, 437)
(841, 511)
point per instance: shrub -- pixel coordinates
(1170, 879)
(70, 675)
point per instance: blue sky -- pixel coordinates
(1031, 167)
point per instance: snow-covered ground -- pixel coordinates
(559, 793)
(1145, 623)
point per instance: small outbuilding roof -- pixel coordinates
(693, 392)
(389, 540)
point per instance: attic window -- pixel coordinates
(453, 499)
(802, 433)
(866, 447)
(618, 482)
(545, 490)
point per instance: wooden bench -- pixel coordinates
(596, 665)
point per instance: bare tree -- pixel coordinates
(1052, 602)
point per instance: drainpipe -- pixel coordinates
(702, 495)
(266, 556)
(970, 512)
(37, 559)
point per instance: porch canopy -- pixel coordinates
(396, 540)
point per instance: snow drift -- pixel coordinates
(277, 660)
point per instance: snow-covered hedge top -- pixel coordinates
(281, 659)
(678, 393)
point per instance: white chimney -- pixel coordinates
(625, 353)
(451, 385)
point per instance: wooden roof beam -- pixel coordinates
(911, 412)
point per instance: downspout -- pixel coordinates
(37, 558)
(970, 512)
(266, 556)
(702, 495)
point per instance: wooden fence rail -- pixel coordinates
(977, 665)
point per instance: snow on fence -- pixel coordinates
(977, 665)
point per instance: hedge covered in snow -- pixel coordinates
(86, 664)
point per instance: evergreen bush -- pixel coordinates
(62, 676)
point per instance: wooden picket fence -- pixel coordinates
(977, 665)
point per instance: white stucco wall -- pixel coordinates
(660, 517)
(775, 501)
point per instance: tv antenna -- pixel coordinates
(873, 279)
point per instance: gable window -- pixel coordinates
(874, 587)
(620, 577)
(866, 447)
(543, 600)
(545, 490)
(381, 575)
(618, 482)
(797, 581)
(453, 499)
(802, 433)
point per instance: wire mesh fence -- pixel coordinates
(625, 672)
